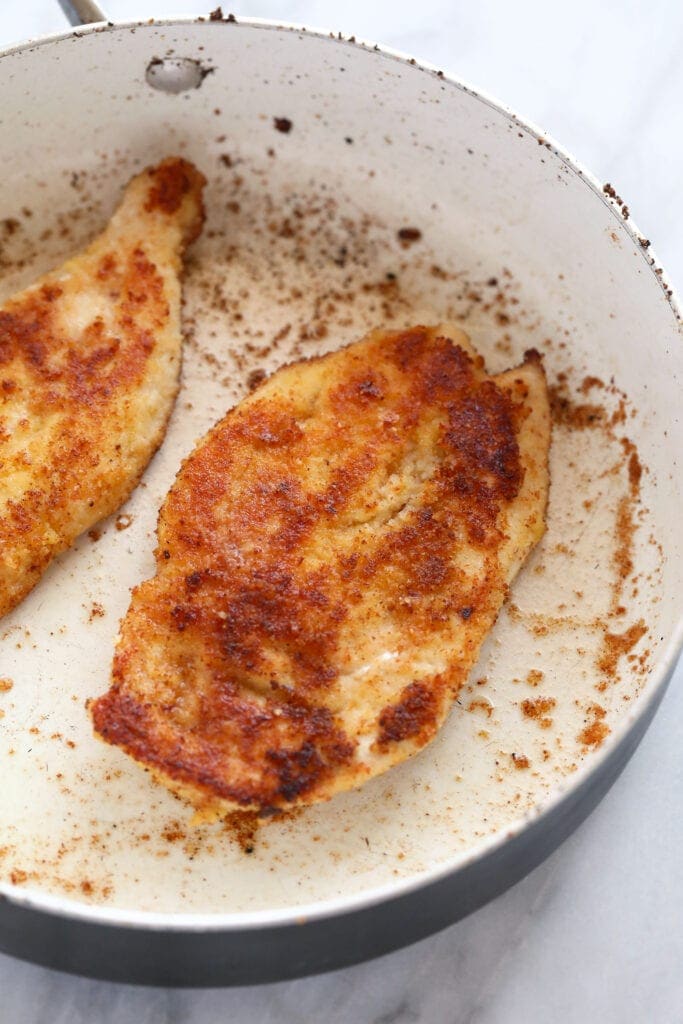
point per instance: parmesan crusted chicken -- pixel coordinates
(89, 364)
(330, 559)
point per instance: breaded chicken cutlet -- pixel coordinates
(89, 368)
(330, 559)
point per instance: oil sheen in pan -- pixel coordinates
(283, 273)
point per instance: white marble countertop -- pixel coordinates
(596, 933)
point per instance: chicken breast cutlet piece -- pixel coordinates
(89, 370)
(331, 557)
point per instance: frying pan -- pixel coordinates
(319, 151)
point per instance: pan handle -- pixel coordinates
(82, 12)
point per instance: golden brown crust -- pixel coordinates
(170, 184)
(330, 559)
(89, 361)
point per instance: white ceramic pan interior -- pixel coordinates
(301, 254)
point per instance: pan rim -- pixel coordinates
(30, 898)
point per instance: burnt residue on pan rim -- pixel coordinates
(525, 127)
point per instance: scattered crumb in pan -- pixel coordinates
(576, 415)
(123, 521)
(481, 704)
(59, 736)
(242, 828)
(6, 684)
(537, 709)
(96, 611)
(90, 889)
(174, 832)
(622, 473)
(595, 729)
(520, 761)
(614, 647)
(407, 236)
(255, 378)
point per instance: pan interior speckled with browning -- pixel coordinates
(318, 152)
